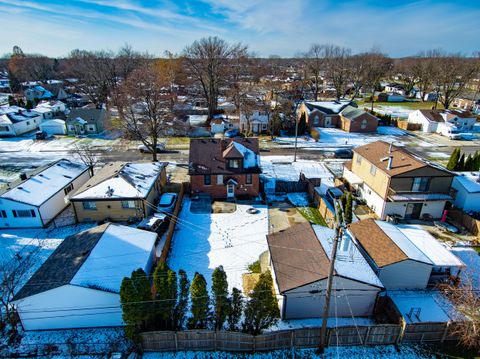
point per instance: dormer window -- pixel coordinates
(235, 163)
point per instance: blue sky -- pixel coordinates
(282, 27)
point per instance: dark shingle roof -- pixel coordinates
(297, 257)
(62, 265)
(91, 115)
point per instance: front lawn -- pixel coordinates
(312, 215)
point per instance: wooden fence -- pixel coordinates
(429, 332)
(382, 334)
(470, 223)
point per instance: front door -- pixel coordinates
(230, 190)
(413, 210)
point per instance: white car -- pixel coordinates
(167, 203)
(145, 149)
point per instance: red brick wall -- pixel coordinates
(220, 190)
(356, 126)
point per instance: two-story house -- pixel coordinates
(120, 192)
(395, 182)
(445, 122)
(225, 168)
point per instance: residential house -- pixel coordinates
(322, 113)
(221, 124)
(404, 256)
(225, 168)
(86, 121)
(394, 182)
(37, 198)
(300, 259)
(56, 87)
(468, 102)
(353, 119)
(78, 286)
(49, 110)
(445, 122)
(16, 121)
(467, 191)
(120, 191)
(256, 122)
(390, 97)
(54, 127)
(397, 88)
(37, 92)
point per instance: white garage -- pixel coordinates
(78, 285)
(54, 127)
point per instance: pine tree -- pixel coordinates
(476, 161)
(461, 163)
(200, 302)
(261, 311)
(236, 309)
(349, 209)
(165, 283)
(343, 200)
(220, 297)
(135, 296)
(454, 158)
(302, 124)
(339, 213)
(182, 304)
(29, 105)
(469, 163)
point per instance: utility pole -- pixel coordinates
(328, 294)
(296, 135)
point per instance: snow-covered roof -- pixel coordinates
(433, 249)
(40, 187)
(121, 180)
(250, 158)
(469, 180)
(11, 109)
(119, 251)
(330, 106)
(402, 242)
(55, 121)
(197, 120)
(350, 263)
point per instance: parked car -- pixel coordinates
(41, 135)
(343, 153)
(167, 202)
(154, 223)
(232, 133)
(144, 149)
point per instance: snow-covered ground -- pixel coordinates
(353, 352)
(203, 242)
(472, 260)
(395, 111)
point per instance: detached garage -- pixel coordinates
(78, 285)
(54, 127)
(300, 261)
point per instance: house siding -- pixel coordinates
(356, 125)
(220, 190)
(407, 274)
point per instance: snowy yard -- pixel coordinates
(472, 260)
(203, 242)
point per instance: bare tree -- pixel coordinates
(313, 64)
(452, 72)
(336, 64)
(144, 106)
(378, 66)
(13, 275)
(87, 155)
(423, 72)
(207, 61)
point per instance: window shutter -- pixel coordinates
(14, 213)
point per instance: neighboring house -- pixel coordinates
(300, 261)
(86, 121)
(54, 127)
(37, 93)
(445, 122)
(37, 198)
(322, 113)
(49, 110)
(256, 122)
(397, 88)
(56, 88)
(225, 168)
(404, 256)
(78, 286)
(120, 192)
(467, 191)
(19, 122)
(395, 182)
(353, 119)
(223, 124)
(390, 97)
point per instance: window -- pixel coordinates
(363, 125)
(68, 189)
(28, 123)
(420, 184)
(91, 128)
(207, 180)
(359, 159)
(316, 121)
(248, 178)
(3, 214)
(24, 213)
(91, 206)
(4, 128)
(234, 164)
(373, 170)
(128, 204)
(219, 179)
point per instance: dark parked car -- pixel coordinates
(41, 135)
(232, 133)
(343, 153)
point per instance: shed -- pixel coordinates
(467, 185)
(54, 127)
(300, 261)
(78, 285)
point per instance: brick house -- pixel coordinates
(322, 113)
(226, 168)
(353, 119)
